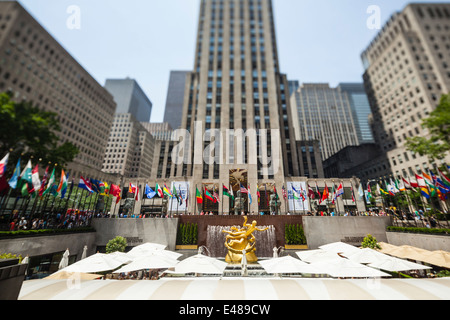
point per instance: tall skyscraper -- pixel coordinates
(236, 87)
(175, 98)
(407, 71)
(361, 110)
(130, 98)
(36, 68)
(325, 114)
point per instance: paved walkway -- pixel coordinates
(238, 289)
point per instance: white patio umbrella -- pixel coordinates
(345, 268)
(317, 255)
(289, 264)
(84, 254)
(201, 264)
(395, 264)
(149, 249)
(65, 260)
(148, 262)
(339, 247)
(98, 262)
(121, 257)
(366, 255)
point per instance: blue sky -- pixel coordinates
(318, 40)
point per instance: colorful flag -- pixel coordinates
(420, 181)
(62, 184)
(35, 179)
(406, 183)
(243, 190)
(445, 179)
(381, 191)
(84, 184)
(325, 194)
(50, 182)
(249, 195)
(208, 195)
(360, 192)
(425, 192)
(199, 197)
(131, 188)
(283, 191)
(26, 179)
(44, 181)
(353, 195)
(226, 192)
(258, 194)
(115, 192)
(311, 193)
(166, 191)
(216, 196)
(149, 192)
(159, 191)
(3, 164)
(339, 191)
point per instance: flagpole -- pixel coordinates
(196, 201)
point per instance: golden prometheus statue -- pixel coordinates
(239, 239)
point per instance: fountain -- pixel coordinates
(216, 238)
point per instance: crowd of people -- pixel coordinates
(60, 221)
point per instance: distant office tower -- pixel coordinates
(159, 131)
(130, 148)
(175, 98)
(130, 98)
(37, 68)
(361, 110)
(324, 114)
(407, 71)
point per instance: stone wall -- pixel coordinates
(423, 241)
(137, 231)
(322, 230)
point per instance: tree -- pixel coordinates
(118, 244)
(438, 124)
(370, 242)
(29, 131)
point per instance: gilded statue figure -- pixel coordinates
(239, 239)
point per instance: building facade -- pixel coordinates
(361, 110)
(130, 148)
(130, 98)
(175, 98)
(407, 70)
(36, 68)
(325, 114)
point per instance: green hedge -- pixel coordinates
(420, 230)
(187, 234)
(42, 232)
(294, 234)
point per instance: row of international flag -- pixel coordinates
(428, 185)
(28, 182)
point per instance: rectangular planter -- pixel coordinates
(296, 247)
(186, 247)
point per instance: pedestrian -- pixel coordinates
(13, 225)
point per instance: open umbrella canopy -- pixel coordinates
(438, 258)
(60, 275)
(395, 264)
(345, 268)
(98, 262)
(366, 255)
(201, 264)
(408, 252)
(289, 264)
(148, 249)
(148, 262)
(317, 255)
(339, 247)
